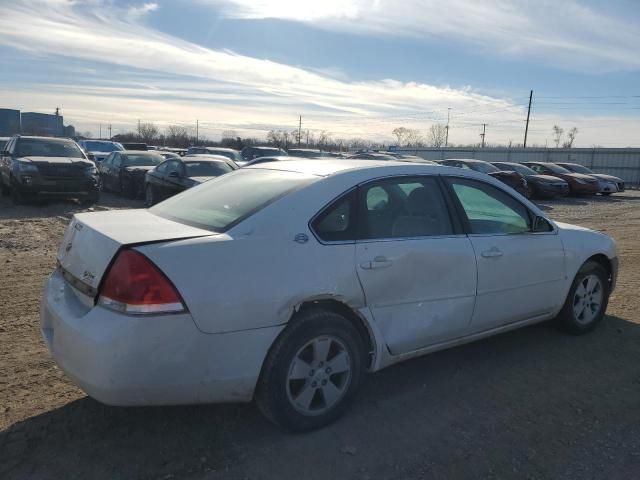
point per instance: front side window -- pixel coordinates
(221, 203)
(490, 210)
(403, 208)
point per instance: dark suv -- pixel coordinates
(43, 167)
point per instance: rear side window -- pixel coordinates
(337, 222)
(490, 210)
(223, 202)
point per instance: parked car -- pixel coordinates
(230, 153)
(166, 155)
(134, 146)
(279, 158)
(608, 183)
(541, 186)
(98, 150)
(307, 153)
(124, 172)
(144, 307)
(579, 184)
(43, 167)
(515, 180)
(178, 174)
(249, 153)
(371, 156)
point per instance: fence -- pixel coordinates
(621, 162)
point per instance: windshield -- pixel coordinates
(483, 167)
(141, 160)
(578, 169)
(521, 169)
(102, 147)
(269, 152)
(556, 168)
(48, 147)
(305, 153)
(206, 169)
(221, 203)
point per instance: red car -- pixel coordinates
(579, 183)
(511, 178)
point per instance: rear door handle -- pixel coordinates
(492, 253)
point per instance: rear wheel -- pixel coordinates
(606, 194)
(17, 195)
(312, 372)
(4, 190)
(587, 301)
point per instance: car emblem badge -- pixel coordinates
(301, 238)
(68, 247)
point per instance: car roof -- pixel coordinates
(140, 152)
(331, 166)
(200, 157)
(265, 148)
(468, 160)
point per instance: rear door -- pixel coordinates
(418, 271)
(520, 272)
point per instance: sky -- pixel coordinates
(351, 68)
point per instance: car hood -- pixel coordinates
(545, 178)
(201, 179)
(57, 161)
(144, 168)
(608, 178)
(580, 176)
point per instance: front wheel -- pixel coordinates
(587, 301)
(312, 373)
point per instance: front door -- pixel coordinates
(417, 272)
(520, 272)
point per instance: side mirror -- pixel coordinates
(91, 156)
(174, 174)
(541, 224)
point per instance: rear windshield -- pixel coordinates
(235, 156)
(47, 147)
(522, 169)
(206, 169)
(102, 147)
(142, 160)
(556, 168)
(219, 204)
(483, 167)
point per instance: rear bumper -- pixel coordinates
(148, 360)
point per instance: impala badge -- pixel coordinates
(301, 238)
(68, 247)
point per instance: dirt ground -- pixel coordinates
(531, 404)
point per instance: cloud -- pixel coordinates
(566, 34)
(103, 65)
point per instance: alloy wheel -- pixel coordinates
(587, 299)
(319, 375)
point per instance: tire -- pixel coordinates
(17, 196)
(4, 190)
(297, 389)
(101, 184)
(606, 194)
(149, 196)
(580, 313)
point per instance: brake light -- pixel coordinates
(134, 285)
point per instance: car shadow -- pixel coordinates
(534, 397)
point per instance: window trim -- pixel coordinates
(465, 221)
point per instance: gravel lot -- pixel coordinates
(533, 403)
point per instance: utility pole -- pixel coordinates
(484, 130)
(110, 136)
(197, 130)
(138, 128)
(100, 131)
(307, 138)
(446, 138)
(299, 130)
(526, 129)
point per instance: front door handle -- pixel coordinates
(378, 262)
(492, 253)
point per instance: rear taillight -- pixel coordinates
(134, 285)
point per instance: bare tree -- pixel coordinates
(572, 138)
(557, 134)
(229, 134)
(177, 136)
(437, 135)
(324, 138)
(148, 132)
(400, 133)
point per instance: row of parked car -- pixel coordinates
(47, 167)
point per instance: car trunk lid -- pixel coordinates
(92, 240)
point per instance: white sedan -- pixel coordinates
(287, 281)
